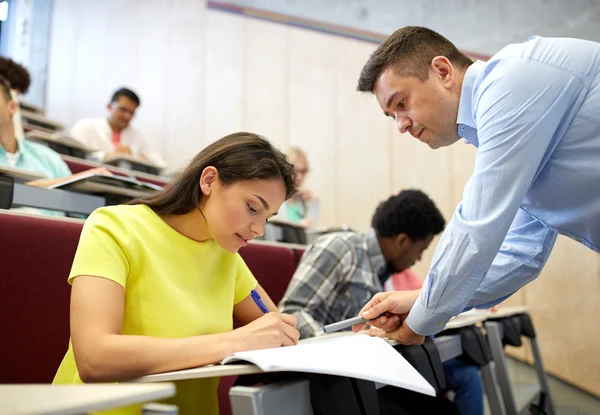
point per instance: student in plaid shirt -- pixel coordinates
(340, 272)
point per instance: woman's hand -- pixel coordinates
(271, 330)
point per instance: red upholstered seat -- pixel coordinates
(298, 252)
(76, 166)
(36, 258)
(272, 265)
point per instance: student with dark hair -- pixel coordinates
(533, 112)
(339, 272)
(155, 283)
(22, 154)
(115, 134)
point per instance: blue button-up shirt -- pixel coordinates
(533, 111)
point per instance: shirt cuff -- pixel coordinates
(425, 323)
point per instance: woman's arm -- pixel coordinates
(103, 354)
(246, 311)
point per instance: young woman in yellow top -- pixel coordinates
(155, 283)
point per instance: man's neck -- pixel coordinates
(113, 127)
(7, 138)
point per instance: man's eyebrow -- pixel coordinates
(390, 99)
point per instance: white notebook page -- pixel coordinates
(358, 356)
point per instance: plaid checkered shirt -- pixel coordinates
(336, 277)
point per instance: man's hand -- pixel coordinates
(387, 310)
(119, 150)
(403, 335)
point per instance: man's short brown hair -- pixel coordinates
(411, 50)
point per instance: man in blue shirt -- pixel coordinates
(533, 112)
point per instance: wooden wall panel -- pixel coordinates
(416, 166)
(265, 82)
(223, 92)
(184, 63)
(565, 309)
(363, 163)
(312, 119)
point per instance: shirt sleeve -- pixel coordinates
(518, 108)
(244, 280)
(60, 168)
(309, 295)
(102, 249)
(520, 260)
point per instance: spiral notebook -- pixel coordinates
(357, 356)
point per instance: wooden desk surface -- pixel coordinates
(22, 175)
(57, 138)
(41, 119)
(77, 399)
(132, 159)
(134, 173)
(209, 371)
(502, 312)
(464, 320)
(101, 188)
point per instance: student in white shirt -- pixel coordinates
(115, 134)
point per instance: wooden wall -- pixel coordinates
(202, 74)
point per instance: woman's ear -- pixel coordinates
(208, 180)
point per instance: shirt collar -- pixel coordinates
(465, 105)
(374, 251)
(19, 148)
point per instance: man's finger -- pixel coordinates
(376, 310)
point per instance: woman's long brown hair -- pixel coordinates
(239, 156)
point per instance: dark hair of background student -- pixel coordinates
(124, 92)
(410, 212)
(16, 74)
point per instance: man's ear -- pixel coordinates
(12, 107)
(402, 241)
(209, 179)
(109, 106)
(443, 69)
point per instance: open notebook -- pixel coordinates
(357, 356)
(104, 179)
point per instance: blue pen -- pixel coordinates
(259, 302)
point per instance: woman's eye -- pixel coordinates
(251, 208)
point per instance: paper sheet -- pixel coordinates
(358, 356)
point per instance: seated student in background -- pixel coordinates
(340, 272)
(155, 283)
(23, 154)
(303, 207)
(115, 134)
(19, 80)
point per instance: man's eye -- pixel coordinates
(401, 104)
